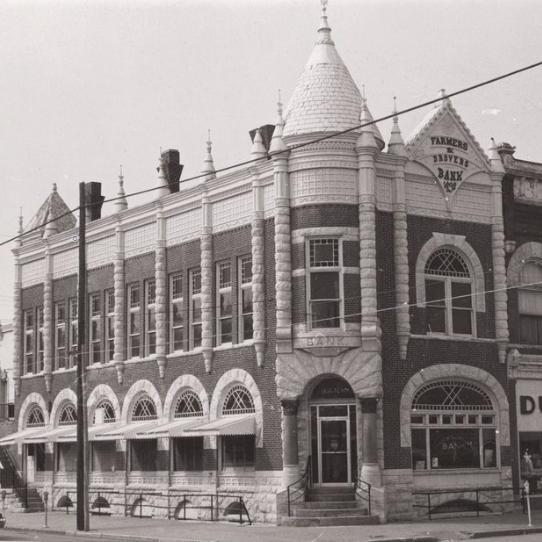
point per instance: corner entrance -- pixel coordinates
(333, 433)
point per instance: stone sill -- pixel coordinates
(461, 338)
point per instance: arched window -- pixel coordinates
(188, 404)
(448, 293)
(35, 418)
(103, 453)
(454, 426)
(68, 415)
(144, 410)
(104, 413)
(144, 452)
(238, 401)
(530, 303)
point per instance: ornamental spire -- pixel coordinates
(396, 145)
(208, 168)
(162, 186)
(277, 143)
(258, 148)
(19, 241)
(121, 204)
(494, 158)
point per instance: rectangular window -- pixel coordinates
(195, 308)
(60, 335)
(110, 324)
(238, 451)
(435, 298)
(104, 456)
(324, 289)
(188, 454)
(143, 454)
(95, 308)
(41, 343)
(66, 456)
(134, 309)
(246, 308)
(176, 313)
(530, 316)
(73, 338)
(224, 296)
(29, 338)
(530, 451)
(150, 317)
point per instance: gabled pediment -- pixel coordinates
(446, 147)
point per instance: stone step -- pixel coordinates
(331, 489)
(328, 512)
(330, 521)
(329, 504)
(342, 497)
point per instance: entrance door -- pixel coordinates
(30, 462)
(334, 451)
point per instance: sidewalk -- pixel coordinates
(159, 530)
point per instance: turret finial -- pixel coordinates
(120, 203)
(208, 163)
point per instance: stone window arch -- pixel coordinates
(179, 386)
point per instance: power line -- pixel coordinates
(294, 147)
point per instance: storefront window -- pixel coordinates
(453, 427)
(530, 447)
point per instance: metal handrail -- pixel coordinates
(363, 490)
(294, 494)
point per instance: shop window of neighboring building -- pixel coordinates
(67, 451)
(110, 324)
(530, 303)
(246, 306)
(237, 451)
(103, 453)
(134, 309)
(223, 303)
(60, 335)
(195, 308)
(188, 451)
(448, 294)
(454, 426)
(73, 327)
(530, 450)
(324, 284)
(95, 308)
(150, 317)
(176, 313)
(40, 361)
(143, 452)
(29, 340)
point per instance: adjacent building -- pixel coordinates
(350, 303)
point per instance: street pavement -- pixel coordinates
(161, 530)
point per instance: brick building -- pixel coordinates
(339, 301)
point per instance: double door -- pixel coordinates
(333, 438)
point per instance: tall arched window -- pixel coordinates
(448, 294)
(454, 426)
(188, 451)
(530, 303)
(67, 451)
(103, 453)
(144, 452)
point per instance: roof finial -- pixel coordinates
(258, 148)
(19, 241)
(396, 144)
(395, 105)
(54, 187)
(162, 186)
(208, 163)
(324, 28)
(277, 143)
(120, 202)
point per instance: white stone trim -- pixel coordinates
(226, 381)
(346, 234)
(102, 391)
(64, 396)
(463, 372)
(139, 388)
(460, 244)
(530, 251)
(179, 385)
(30, 401)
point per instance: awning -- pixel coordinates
(128, 431)
(49, 434)
(16, 438)
(71, 436)
(175, 428)
(228, 425)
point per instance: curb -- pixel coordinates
(506, 532)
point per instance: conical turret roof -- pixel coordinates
(53, 208)
(326, 99)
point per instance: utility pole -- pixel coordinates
(82, 356)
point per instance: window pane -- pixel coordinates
(461, 295)
(225, 304)
(436, 319)
(434, 293)
(188, 454)
(248, 331)
(197, 335)
(489, 448)
(134, 323)
(325, 314)
(177, 313)
(530, 329)
(454, 448)
(325, 286)
(225, 329)
(462, 321)
(178, 339)
(419, 449)
(238, 451)
(247, 300)
(143, 454)
(104, 456)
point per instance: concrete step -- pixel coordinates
(330, 504)
(331, 489)
(330, 521)
(329, 497)
(328, 512)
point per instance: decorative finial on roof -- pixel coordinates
(258, 148)
(366, 137)
(54, 187)
(495, 158)
(444, 99)
(208, 164)
(121, 204)
(396, 144)
(162, 186)
(19, 240)
(324, 30)
(277, 143)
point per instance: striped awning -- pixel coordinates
(49, 434)
(92, 432)
(16, 438)
(243, 424)
(128, 431)
(175, 428)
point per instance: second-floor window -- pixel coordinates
(134, 308)
(150, 317)
(60, 335)
(530, 303)
(29, 338)
(110, 324)
(224, 297)
(40, 361)
(176, 313)
(448, 294)
(73, 338)
(195, 308)
(246, 310)
(95, 307)
(324, 288)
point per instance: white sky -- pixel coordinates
(88, 85)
